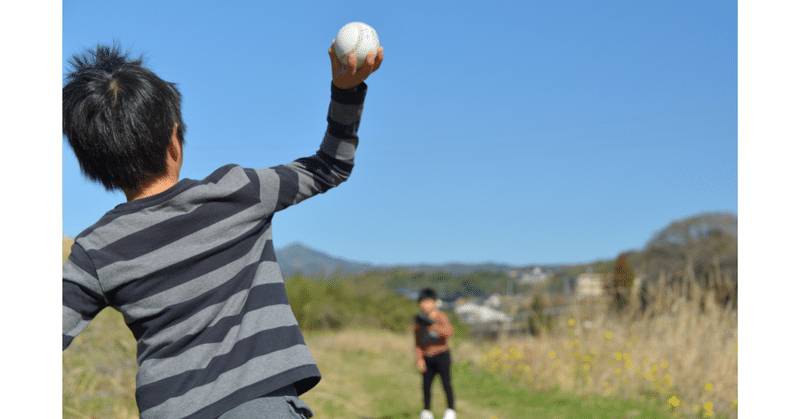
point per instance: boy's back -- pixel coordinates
(193, 271)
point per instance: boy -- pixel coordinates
(432, 329)
(190, 263)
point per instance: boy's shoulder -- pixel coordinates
(228, 177)
(226, 170)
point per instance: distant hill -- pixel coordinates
(299, 259)
(458, 268)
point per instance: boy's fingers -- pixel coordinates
(348, 74)
(378, 59)
(332, 53)
(351, 63)
(369, 64)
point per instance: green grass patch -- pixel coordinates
(371, 374)
(513, 400)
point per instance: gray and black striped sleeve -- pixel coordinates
(333, 162)
(82, 297)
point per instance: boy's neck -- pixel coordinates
(168, 178)
(153, 187)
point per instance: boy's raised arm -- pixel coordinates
(333, 162)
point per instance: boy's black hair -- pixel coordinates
(118, 117)
(427, 293)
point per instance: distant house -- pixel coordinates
(493, 301)
(534, 276)
(473, 313)
(590, 285)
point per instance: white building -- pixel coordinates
(534, 276)
(590, 285)
(472, 313)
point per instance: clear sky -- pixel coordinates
(519, 132)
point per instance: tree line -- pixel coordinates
(695, 253)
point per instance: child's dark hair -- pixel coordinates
(118, 117)
(427, 293)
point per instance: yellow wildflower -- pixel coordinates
(709, 409)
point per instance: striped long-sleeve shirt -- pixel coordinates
(193, 271)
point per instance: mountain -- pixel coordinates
(298, 259)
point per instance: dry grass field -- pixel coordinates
(675, 361)
(367, 374)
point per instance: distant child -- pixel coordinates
(432, 329)
(190, 264)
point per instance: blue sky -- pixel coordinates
(517, 132)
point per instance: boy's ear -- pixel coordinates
(175, 149)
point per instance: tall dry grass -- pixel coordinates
(98, 371)
(681, 352)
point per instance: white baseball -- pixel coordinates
(356, 37)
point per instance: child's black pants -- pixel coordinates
(437, 364)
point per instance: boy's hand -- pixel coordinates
(421, 365)
(432, 333)
(345, 77)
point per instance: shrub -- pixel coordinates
(339, 303)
